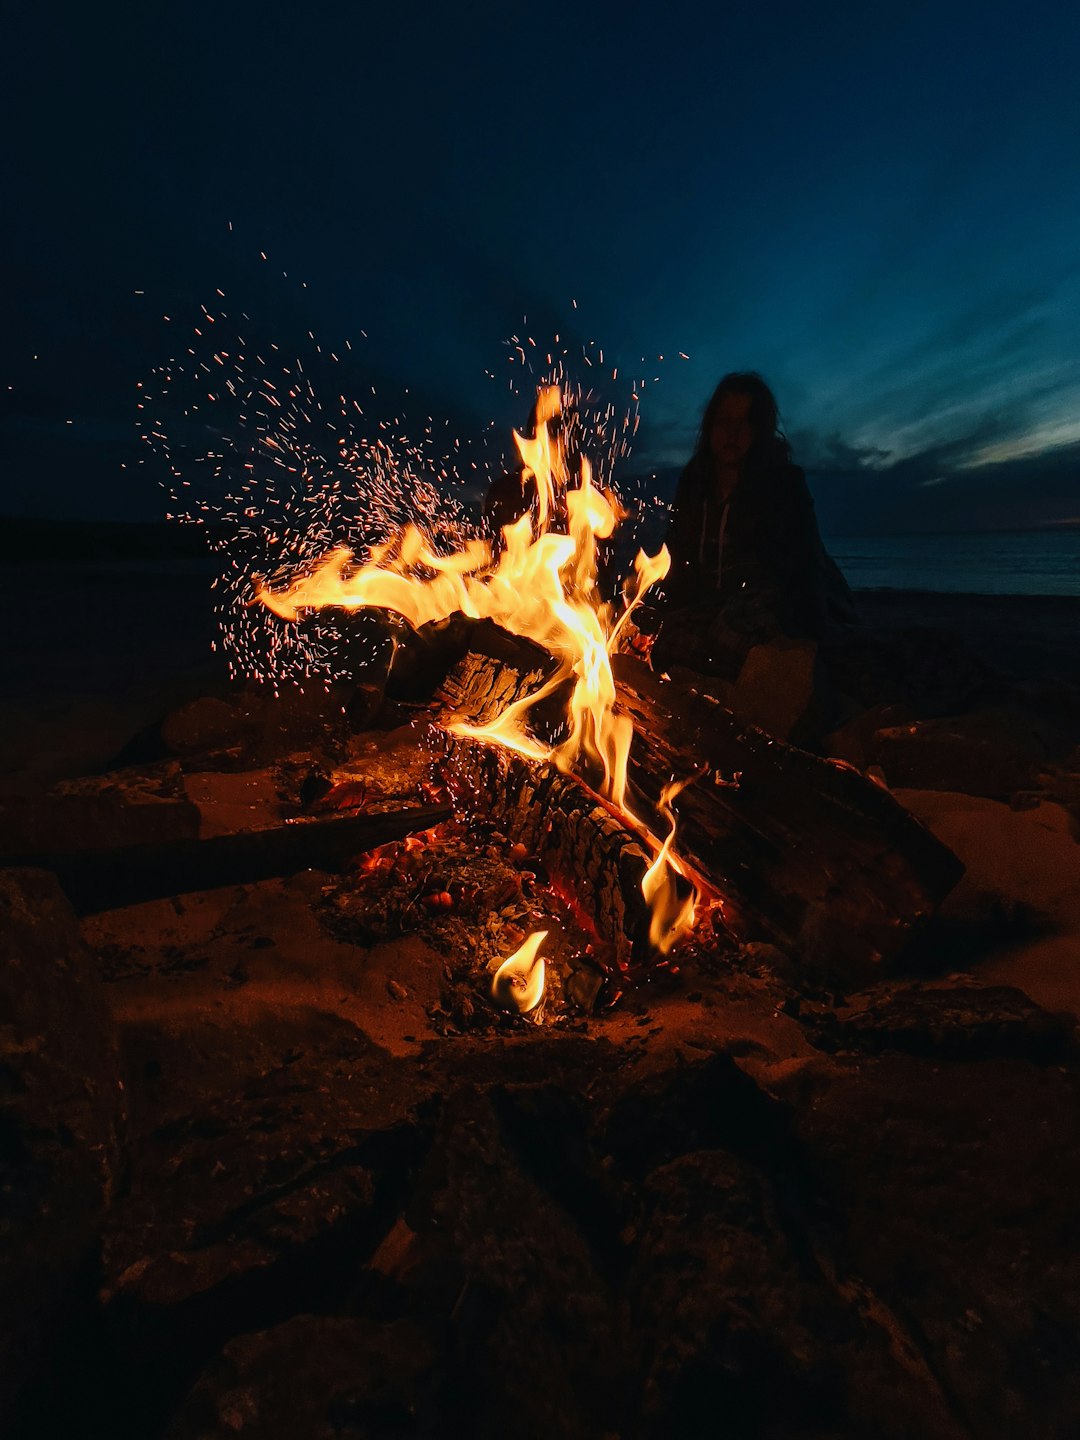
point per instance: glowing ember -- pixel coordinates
(519, 979)
(542, 586)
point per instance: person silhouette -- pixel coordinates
(747, 560)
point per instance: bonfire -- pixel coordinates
(540, 585)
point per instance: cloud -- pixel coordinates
(935, 490)
(833, 453)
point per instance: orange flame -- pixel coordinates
(671, 914)
(519, 979)
(542, 586)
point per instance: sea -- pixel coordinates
(1026, 562)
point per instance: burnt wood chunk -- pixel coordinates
(805, 852)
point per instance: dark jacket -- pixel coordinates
(765, 552)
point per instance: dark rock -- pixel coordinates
(266, 1163)
(930, 671)
(99, 812)
(313, 1376)
(759, 953)
(735, 1324)
(697, 1107)
(853, 741)
(489, 1257)
(61, 1118)
(250, 1249)
(966, 1021)
(954, 1189)
(990, 752)
(202, 725)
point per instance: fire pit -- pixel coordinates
(533, 731)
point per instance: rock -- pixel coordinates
(930, 671)
(241, 1195)
(733, 1317)
(316, 1375)
(990, 752)
(757, 953)
(99, 812)
(256, 726)
(775, 686)
(61, 1120)
(853, 741)
(489, 1257)
(299, 719)
(698, 1107)
(230, 1254)
(202, 725)
(1020, 894)
(954, 1187)
(967, 1020)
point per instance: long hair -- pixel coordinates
(769, 446)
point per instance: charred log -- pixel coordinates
(820, 859)
(806, 853)
(596, 863)
(106, 879)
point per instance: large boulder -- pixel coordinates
(315, 1375)
(61, 1109)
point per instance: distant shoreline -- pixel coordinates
(1021, 572)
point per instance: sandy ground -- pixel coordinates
(314, 1139)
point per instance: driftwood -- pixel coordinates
(107, 879)
(804, 852)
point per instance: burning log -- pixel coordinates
(818, 858)
(595, 862)
(107, 879)
(805, 852)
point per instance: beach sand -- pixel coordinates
(1028, 637)
(259, 1130)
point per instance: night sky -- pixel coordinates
(878, 207)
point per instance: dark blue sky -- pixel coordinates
(878, 207)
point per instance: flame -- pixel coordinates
(672, 914)
(541, 586)
(519, 980)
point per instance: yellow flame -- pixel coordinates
(672, 914)
(519, 979)
(541, 586)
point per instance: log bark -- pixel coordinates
(595, 862)
(110, 878)
(804, 852)
(818, 858)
